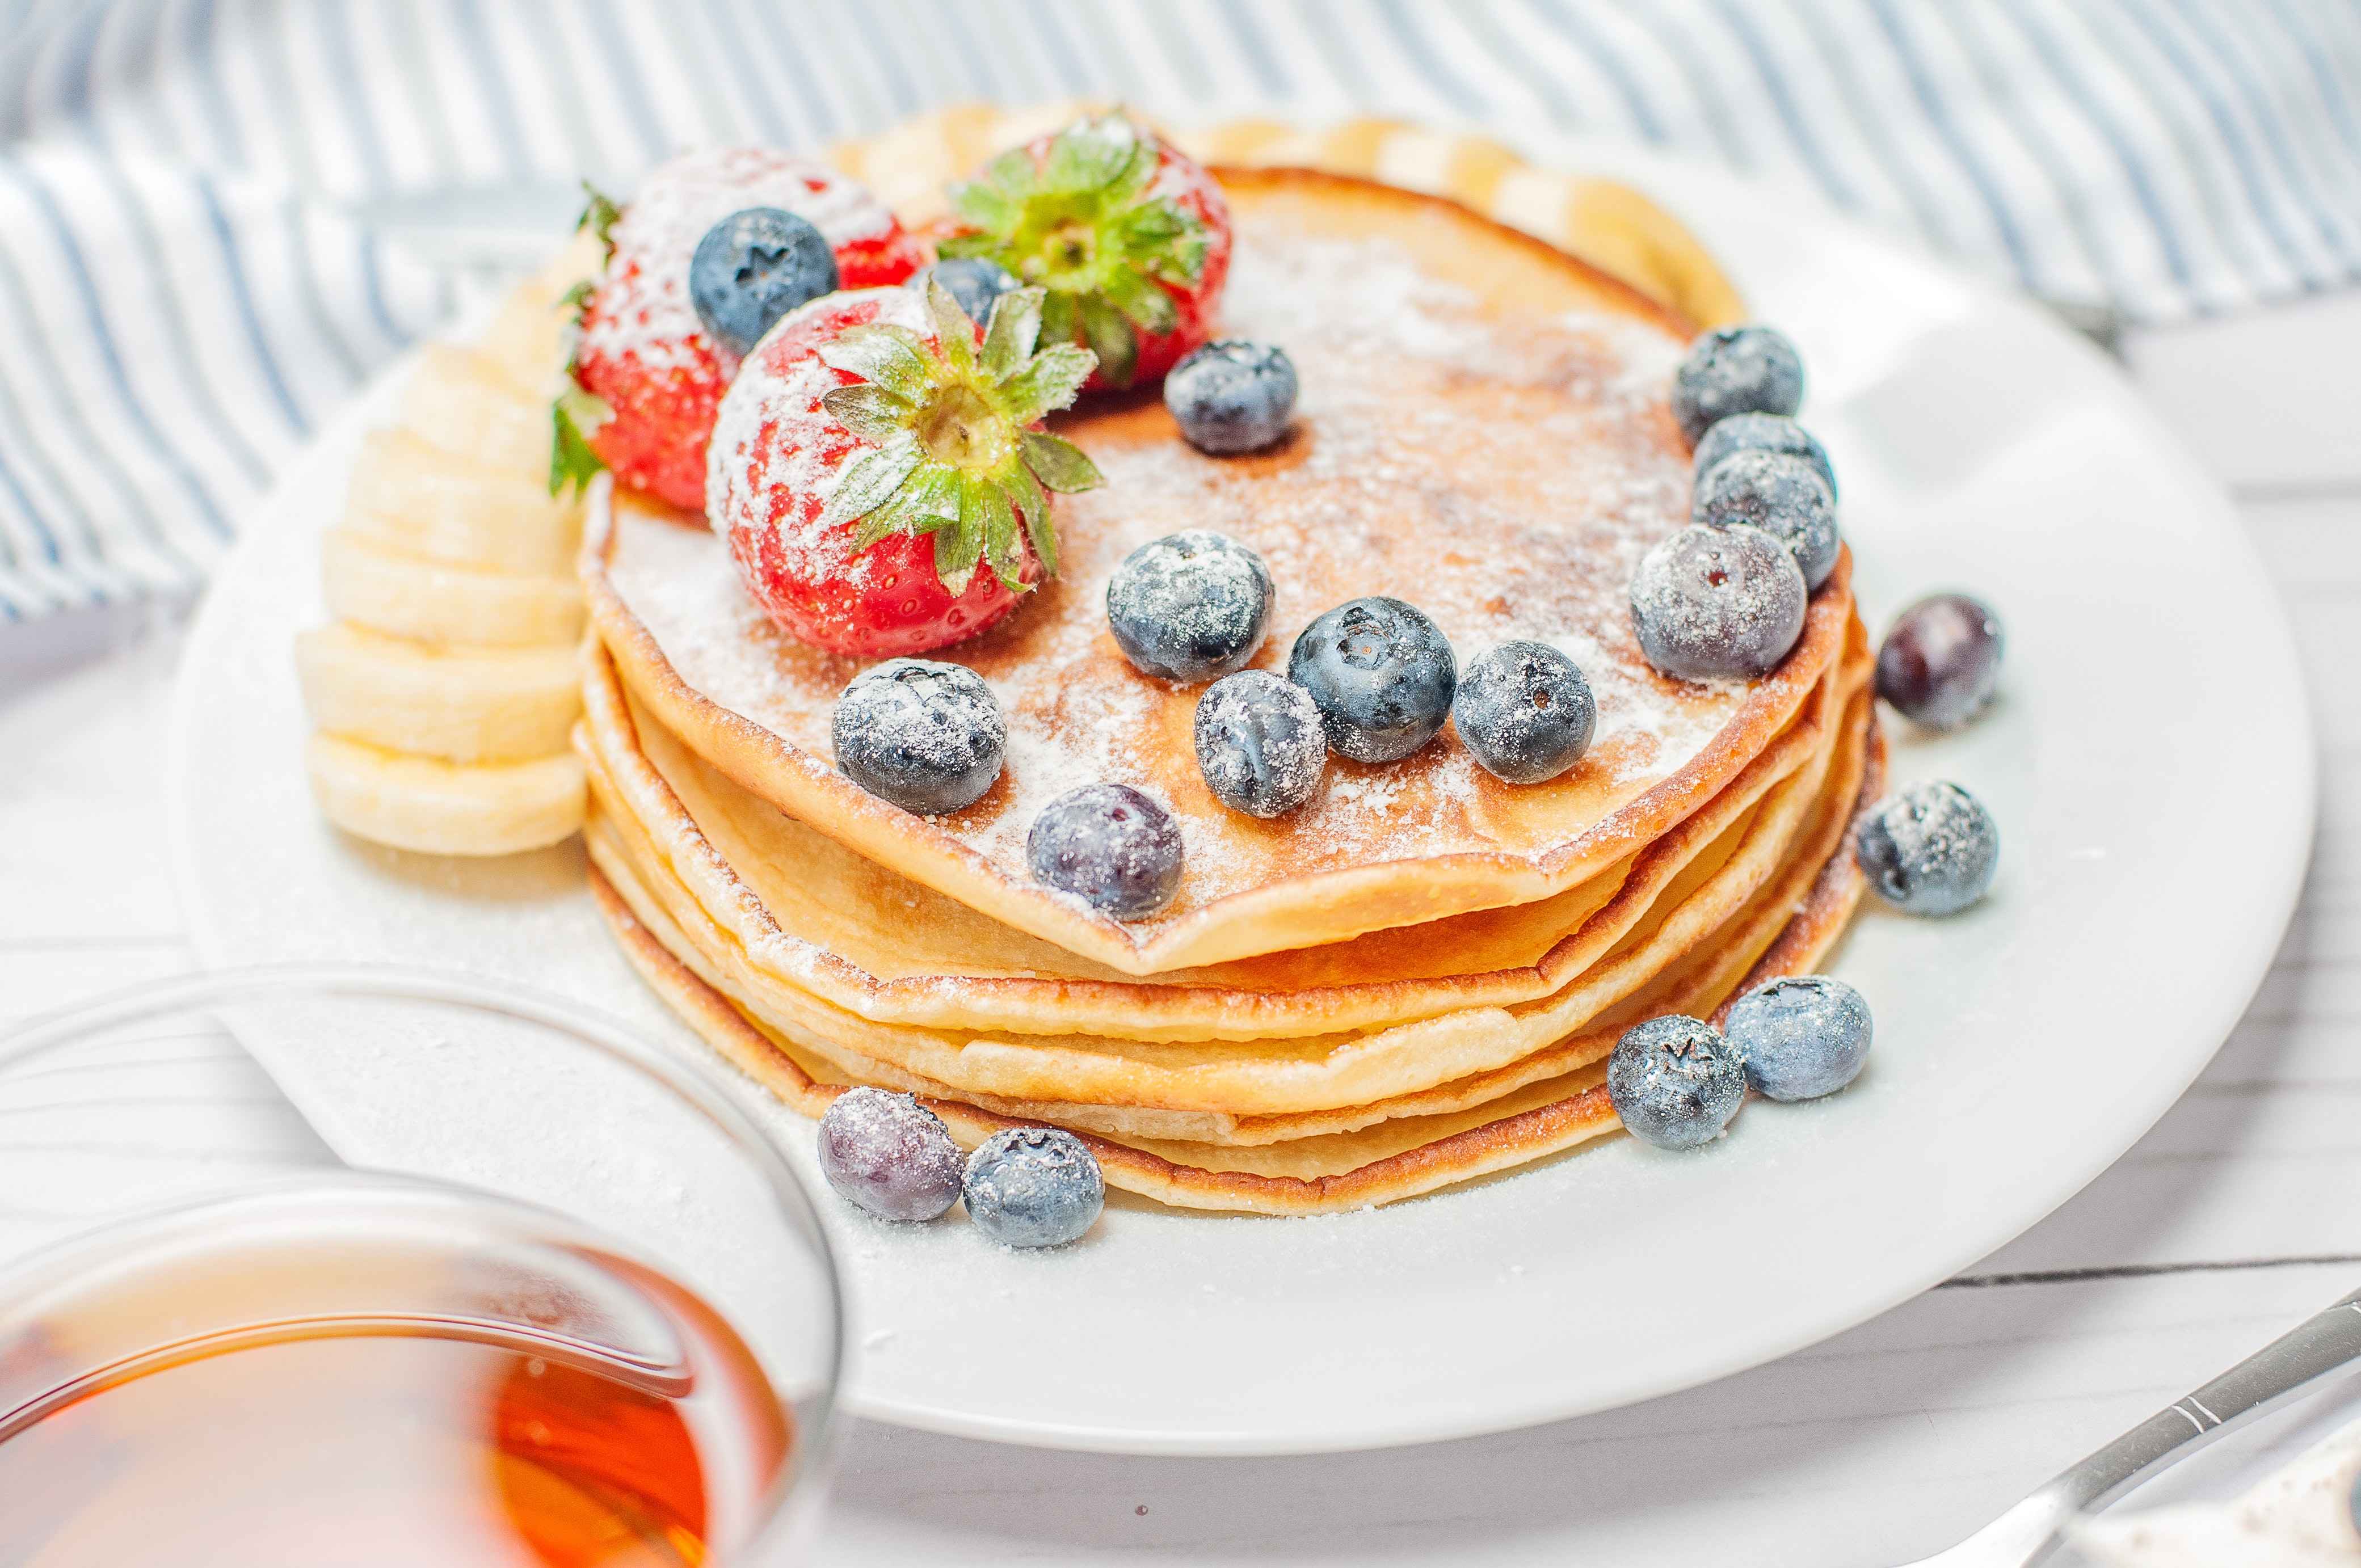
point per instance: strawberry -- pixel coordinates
(1130, 240)
(877, 449)
(647, 377)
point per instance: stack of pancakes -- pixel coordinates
(1413, 980)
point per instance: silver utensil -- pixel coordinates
(2285, 1368)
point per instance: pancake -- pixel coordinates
(1483, 431)
(1402, 1157)
(1316, 1073)
(811, 913)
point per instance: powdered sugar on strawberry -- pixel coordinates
(778, 456)
(772, 440)
(642, 349)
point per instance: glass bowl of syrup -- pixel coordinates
(585, 1317)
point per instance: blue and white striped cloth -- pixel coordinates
(186, 294)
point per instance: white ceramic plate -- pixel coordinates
(2151, 764)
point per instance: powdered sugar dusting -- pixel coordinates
(1504, 476)
(772, 424)
(683, 198)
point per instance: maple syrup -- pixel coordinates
(431, 1383)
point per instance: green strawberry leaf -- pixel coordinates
(1061, 317)
(954, 331)
(1058, 463)
(573, 461)
(1015, 329)
(599, 215)
(1032, 504)
(873, 480)
(894, 358)
(1111, 336)
(1141, 302)
(983, 207)
(576, 300)
(1091, 156)
(957, 549)
(1003, 545)
(1137, 174)
(868, 410)
(1048, 383)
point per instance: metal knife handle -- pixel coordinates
(2288, 1364)
(2311, 1350)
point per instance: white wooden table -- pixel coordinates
(2238, 1214)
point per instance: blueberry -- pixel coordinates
(753, 268)
(1382, 674)
(1674, 1081)
(1718, 603)
(1762, 433)
(1930, 849)
(1259, 743)
(973, 281)
(925, 736)
(1232, 396)
(1033, 1187)
(889, 1155)
(1941, 661)
(1782, 496)
(1801, 1038)
(1189, 606)
(1110, 846)
(1749, 368)
(1524, 711)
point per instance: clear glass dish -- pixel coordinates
(430, 1365)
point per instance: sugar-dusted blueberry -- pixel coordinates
(1930, 849)
(753, 268)
(1232, 396)
(1111, 847)
(1781, 494)
(1676, 1082)
(1260, 743)
(1940, 663)
(925, 735)
(1524, 710)
(1190, 606)
(1762, 433)
(888, 1154)
(973, 281)
(1033, 1187)
(1746, 369)
(1801, 1036)
(1718, 603)
(1382, 674)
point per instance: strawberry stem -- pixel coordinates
(954, 453)
(1080, 224)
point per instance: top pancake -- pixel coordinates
(1483, 431)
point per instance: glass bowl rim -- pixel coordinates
(722, 1103)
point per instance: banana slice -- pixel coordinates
(418, 499)
(444, 808)
(404, 596)
(527, 339)
(459, 703)
(463, 403)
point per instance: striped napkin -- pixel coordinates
(189, 284)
